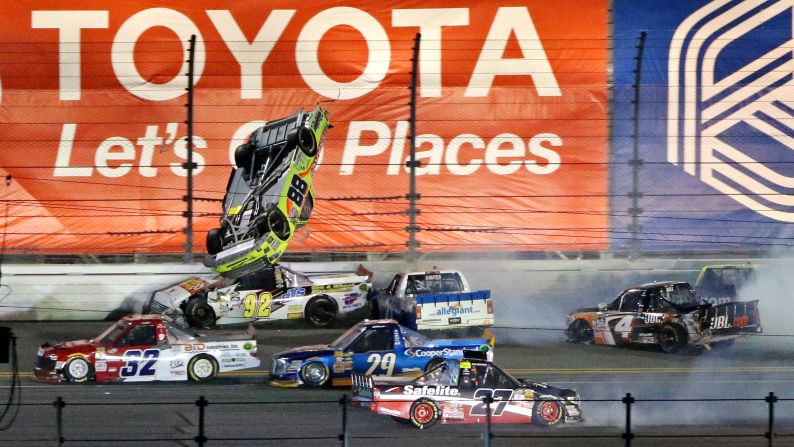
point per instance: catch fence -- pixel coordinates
(305, 423)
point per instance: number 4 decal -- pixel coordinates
(624, 326)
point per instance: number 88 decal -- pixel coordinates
(297, 190)
(257, 306)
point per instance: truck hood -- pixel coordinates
(68, 347)
(303, 352)
(545, 389)
(341, 278)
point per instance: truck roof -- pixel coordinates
(425, 272)
(153, 318)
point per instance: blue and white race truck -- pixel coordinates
(437, 299)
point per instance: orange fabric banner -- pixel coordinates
(511, 120)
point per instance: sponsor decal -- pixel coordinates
(177, 363)
(101, 366)
(294, 292)
(712, 134)
(454, 311)
(452, 411)
(350, 299)
(294, 315)
(194, 348)
(331, 288)
(389, 411)
(652, 318)
(194, 285)
(438, 390)
(455, 320)
(248, 346)
(445, 352)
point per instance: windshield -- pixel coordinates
(295, 279)
(176, 334)
(110, 334)
(412, 338)
(680, 295)
(444, 374)
(345, 339)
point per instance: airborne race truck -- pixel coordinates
(437, 299)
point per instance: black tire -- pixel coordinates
(672, 338)
(276, 222)
(202, 368)
(242, 156)
(306, 210)
(580, 331)
(424, 413)
(433, 363)
(321, 311)
(315, 374)
(303, 138)
(214, 241)
(78, 370)
(198, 313)
(546, 413)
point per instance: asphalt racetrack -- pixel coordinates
(244, 410)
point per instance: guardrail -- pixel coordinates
(346, 439)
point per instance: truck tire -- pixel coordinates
(202, 368)
(672, 338)
(321, 311)
(424, 413)
(547, 412)
(242, 156)
(198, 313)
(303, 138)
(274, 222)
(77, 370)
(214, 241)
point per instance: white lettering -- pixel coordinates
(536, 148)
(452, 154)
(147, 143)
(123, 53)
(308, 61)
(104, 154)
(433, 156)
(397, 148)
(251, 56)
(354, 148)
(430, 22)
(69, 24)
(180, 149)
(535, 63)
(63, 158)
(494, 151)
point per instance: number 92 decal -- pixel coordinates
(257, 306)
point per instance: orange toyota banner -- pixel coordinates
(511, 127)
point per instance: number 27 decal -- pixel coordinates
(500, 397)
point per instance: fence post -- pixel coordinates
(770, 434)
(628, 435)
(345, 435)
(59, 404)
(201, 403)
(487, 436)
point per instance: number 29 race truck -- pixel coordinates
(669, 314)
(144, 348)
(437, 299)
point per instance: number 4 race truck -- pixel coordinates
(433, 300)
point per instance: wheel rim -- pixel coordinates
(583, 331)
(668, 338)
(549, 411)
(322, 313)
(78, 369)
(306, 141)
(278, 226)
(423, 413)
(314, 373)
(203, 368)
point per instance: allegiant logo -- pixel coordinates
(454, 311)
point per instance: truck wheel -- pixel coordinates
(314, 374)
(276, 222)
(672, 338)
(242, 156)
(321, 311)
(214, 241)
(78, 370)
(304, 139)
(580, 331)
(202, 368)
(547, 412)
(198, 313)
(424, 413)
(432, 364)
